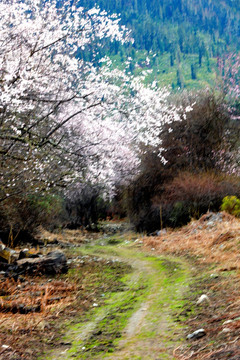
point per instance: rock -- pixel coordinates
(53, 263)
(26, 253)
(227, 322)
(19, 308)
(225, 330)
(196, 334)
(7, 255)
(203, 299)
(212, 217)
(161, 232)
(214, 276)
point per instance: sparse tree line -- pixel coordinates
(79, 142)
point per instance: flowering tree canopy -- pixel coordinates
(63, 119)
(44, 87)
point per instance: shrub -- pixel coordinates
(21, 215)
(191, 195)
(138, 195)
(204, 137)
(231, 204)
(86, 205)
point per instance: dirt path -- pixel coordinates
(143, 312)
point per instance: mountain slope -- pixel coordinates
(182, 38)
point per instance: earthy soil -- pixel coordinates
(130, 297)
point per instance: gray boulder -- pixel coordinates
(53, 263)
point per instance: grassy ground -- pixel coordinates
(160, 70)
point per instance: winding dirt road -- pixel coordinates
(153, 293)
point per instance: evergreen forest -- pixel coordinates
(179, 40)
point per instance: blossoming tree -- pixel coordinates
(65, 121)
(44, 87)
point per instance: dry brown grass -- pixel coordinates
(35, 295)
(26, 310)
(218, 243)
(66, 236)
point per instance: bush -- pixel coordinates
(21, 215)
(187, 195)
(191, 195)
(231, 204)
(138, 195)
(204, 137)
(85, 206)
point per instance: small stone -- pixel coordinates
(197, 334)
(203, 299)
(214, 276)
(226, 330)
(227, 322)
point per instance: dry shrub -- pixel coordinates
(139, 194)
(201, 238)
(36, 295)
(190, 195)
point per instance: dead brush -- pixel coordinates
(20, 323)
(35, 296)
(217, 244)
(45, 299)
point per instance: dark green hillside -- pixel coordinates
(182, 38)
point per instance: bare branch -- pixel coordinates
(65, 121)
